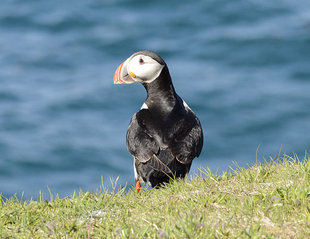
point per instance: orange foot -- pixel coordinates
(138, 185)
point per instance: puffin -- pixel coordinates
(165, 135)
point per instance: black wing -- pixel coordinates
(188, 140)
(181, 140)
(144, 144)
(140, 143)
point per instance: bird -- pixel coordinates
(165, 135)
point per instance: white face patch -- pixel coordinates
(144, 69)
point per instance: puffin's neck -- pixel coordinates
(161, 95)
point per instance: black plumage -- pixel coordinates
(165, 135)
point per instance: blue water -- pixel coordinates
(242, 66)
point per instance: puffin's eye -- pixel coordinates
(141, 61)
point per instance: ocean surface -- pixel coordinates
(242, 66)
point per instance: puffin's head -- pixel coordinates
(142, 66)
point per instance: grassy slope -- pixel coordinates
(270, 200)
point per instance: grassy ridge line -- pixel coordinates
(265, 201)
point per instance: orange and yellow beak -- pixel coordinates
(121, 75)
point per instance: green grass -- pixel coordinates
(264, 201)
